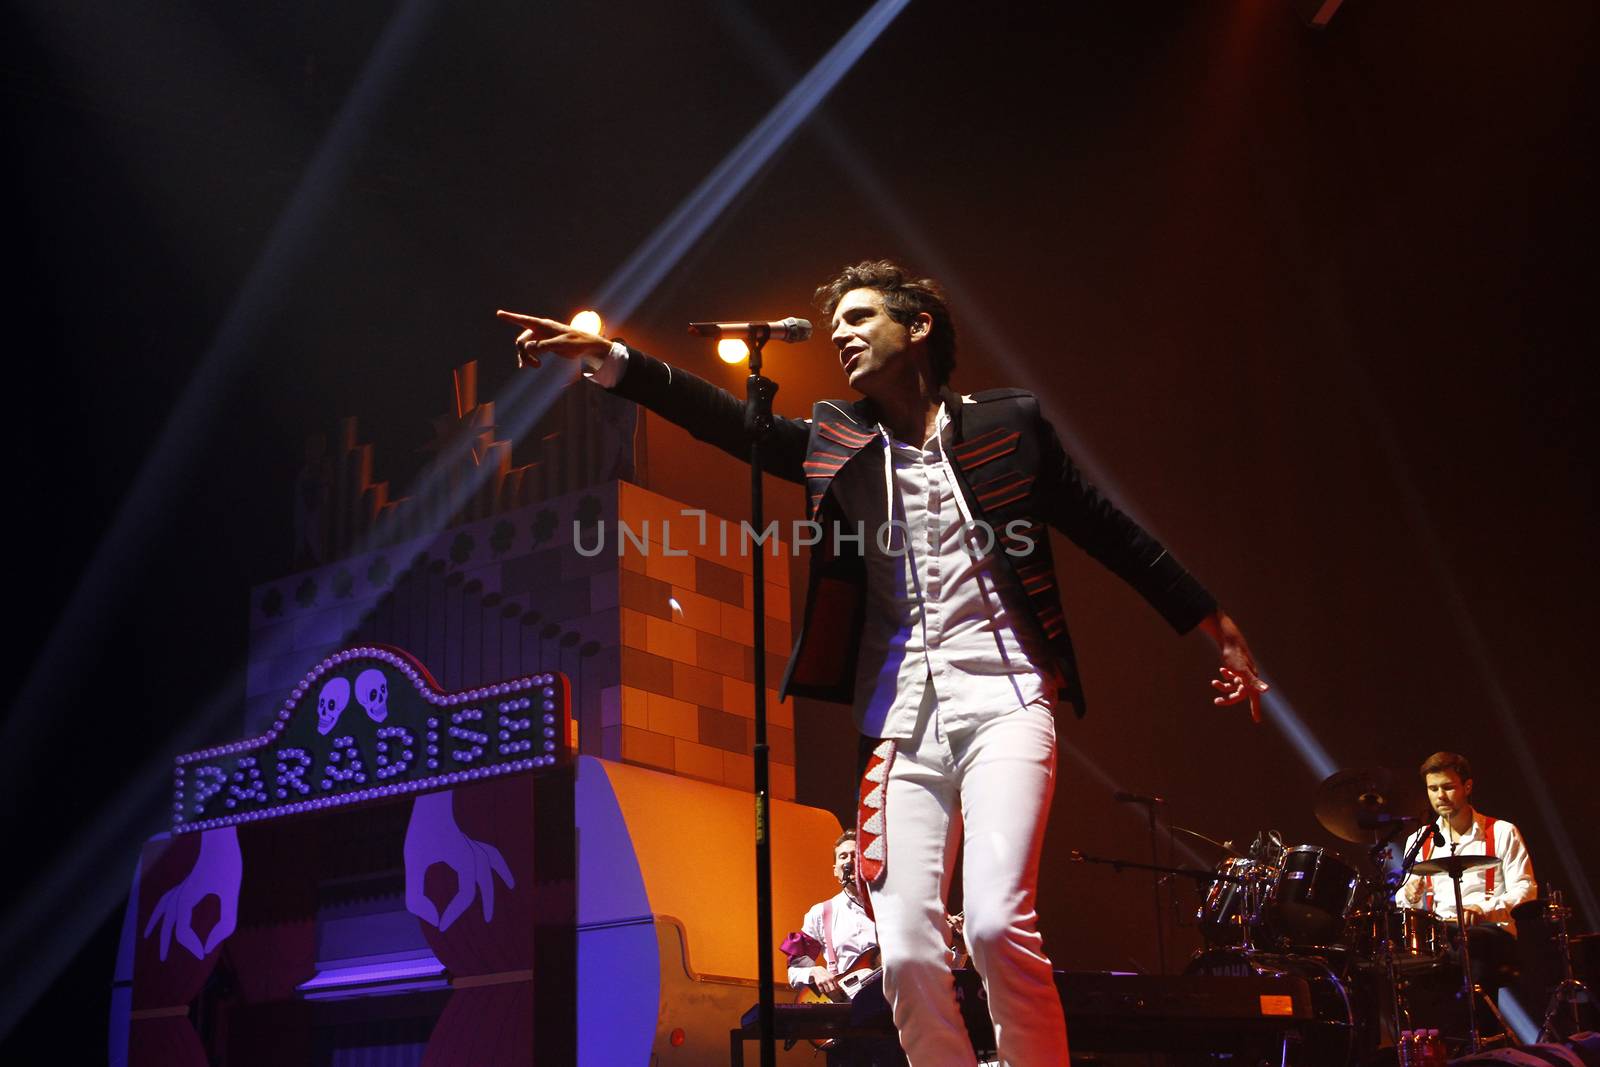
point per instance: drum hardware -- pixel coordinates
(1221, 846)
(1150, 802)
(1230, 912)
(1570, 992)
(1370, 806)
(1385, 913)
(1455, 866)
(1195, 873)
(1235, 909)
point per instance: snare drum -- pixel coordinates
(1311, 898)
(1414, 934)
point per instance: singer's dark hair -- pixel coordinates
(1446, 763)
(848, 835)
(904, 298)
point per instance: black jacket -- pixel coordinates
(1012, 471)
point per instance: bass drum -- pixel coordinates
(1336, 1034)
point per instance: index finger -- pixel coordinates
(529, 320)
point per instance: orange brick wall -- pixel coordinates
(686, 699)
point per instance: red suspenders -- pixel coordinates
(1427, 879)
(1488, 850)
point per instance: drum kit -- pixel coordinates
(1303, 910)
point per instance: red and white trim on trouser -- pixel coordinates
(871, 844)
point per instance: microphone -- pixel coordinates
(790, 329)
(1136, 798)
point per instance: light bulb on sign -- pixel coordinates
(733, 350)
(588, 322)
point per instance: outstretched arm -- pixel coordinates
(710, 413)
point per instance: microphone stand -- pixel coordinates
(1149, 804)
(1469, 985)
(759, 391)
(1199, 876)
(1402, 1011)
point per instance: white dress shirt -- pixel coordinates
(1513, 876)
(854, 936)
(937, 605)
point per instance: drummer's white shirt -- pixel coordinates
(1513, 880)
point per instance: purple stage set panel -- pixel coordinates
(386, 872)
(386, 876)
(392, 875)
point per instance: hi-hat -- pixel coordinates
(1361, 804)
(1452, 865)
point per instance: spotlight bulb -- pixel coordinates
(733, 350)
(588, 322)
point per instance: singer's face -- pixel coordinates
(844, 855)
(872, 346)
(1447, 793)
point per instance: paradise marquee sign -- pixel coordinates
(370, 722)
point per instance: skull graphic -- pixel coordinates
(372, 690)
(330, 703)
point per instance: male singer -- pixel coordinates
(932, 609)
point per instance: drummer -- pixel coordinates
(1488, 893)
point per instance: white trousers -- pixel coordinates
(994, 780)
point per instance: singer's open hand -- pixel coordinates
(1237, 680)
(540, 336)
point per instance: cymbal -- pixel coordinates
(1352, 804)
(1452, 865)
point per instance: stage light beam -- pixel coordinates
(627, 288)
(526, 398)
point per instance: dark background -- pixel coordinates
(1317, 308)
